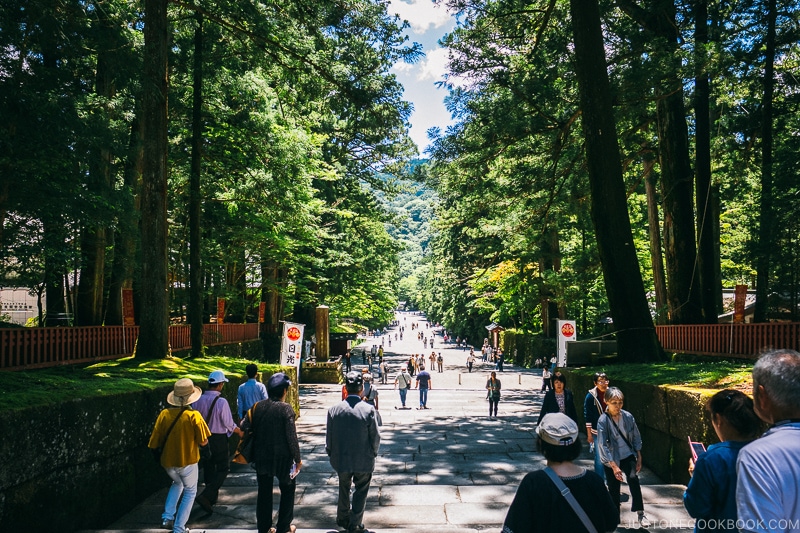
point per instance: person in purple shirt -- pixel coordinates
(250, 392)
(424, 384)
(217, 414)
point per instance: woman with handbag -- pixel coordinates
(276, 453)
(620, 446)
(179, 433)
(563, 496)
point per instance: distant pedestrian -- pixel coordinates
(424, 384)
(432, 358)
(276, 455)
(440, 361)
(493, 393)
(250, 392)
(352, 441)
(347, 364)
(470, 361)
(500, 359)
(403, 383)
(384, 372)
(179, 433)
(546, 384)
(217, 414)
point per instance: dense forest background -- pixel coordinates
(614, 163)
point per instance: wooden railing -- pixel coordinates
(731, 340)
(24, 348)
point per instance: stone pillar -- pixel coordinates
(323, 333)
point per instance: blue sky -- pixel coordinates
(428, 23)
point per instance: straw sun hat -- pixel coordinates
(184, 393)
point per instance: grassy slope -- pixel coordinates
(51, 385)
(704, 375)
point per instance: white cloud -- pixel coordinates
(420, 14)
(434, 66)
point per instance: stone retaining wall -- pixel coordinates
(666, 416)
(83, 463)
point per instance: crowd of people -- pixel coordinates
(748, 478)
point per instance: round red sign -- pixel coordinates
(567, 330)
(293, 333)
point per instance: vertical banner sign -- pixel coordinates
(127, 308)
(739, 298)
(292, 344)
(566, 333)
(262, 311)
(220, 310)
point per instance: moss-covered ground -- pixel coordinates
(49, 385)
(701, 374)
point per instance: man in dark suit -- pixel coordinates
(352, 441)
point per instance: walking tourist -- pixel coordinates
(493, 393)
(594, 405)
(621, 451)
(276, 453)
(559, 399)
(424, 384)
(403, 383)
(470, 361)
(352, 441)
(540, 506)
(178, 435)
(217, 414)
(250, 392)
(768, 469)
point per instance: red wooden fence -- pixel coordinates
(731, 340)
(23, 348)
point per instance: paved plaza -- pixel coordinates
(448, 468)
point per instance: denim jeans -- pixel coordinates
(598, 464)
(403, 393)
(183, 489)
(423, 397)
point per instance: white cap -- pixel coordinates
(557, 429)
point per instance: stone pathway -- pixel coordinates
(448, 468)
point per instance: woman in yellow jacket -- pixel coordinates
(179, 433)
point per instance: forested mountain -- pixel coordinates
(413, 208)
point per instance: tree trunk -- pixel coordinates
(656, 257)
(707, 260)
(195, 208)
(636, 335)
(55, 268)
(677, 187)
(125, 236)
(154, 331)
(764, 258)
(550, 259)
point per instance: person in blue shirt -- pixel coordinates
(250, 392)
(710, 497)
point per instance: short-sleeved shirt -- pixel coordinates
(424, 379)
(181, 446)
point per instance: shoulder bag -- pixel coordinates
(567, 494)
(158, 451)
(244, 450)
